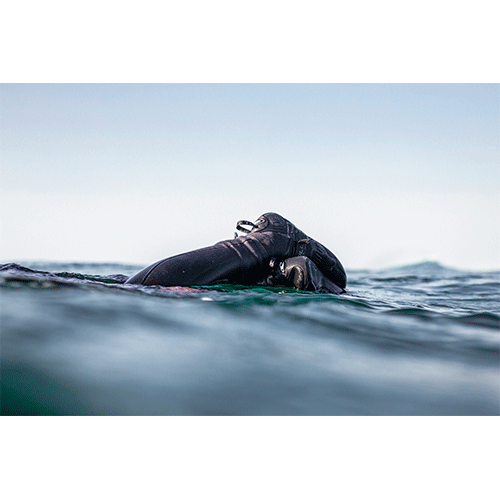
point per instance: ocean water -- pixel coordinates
(415, 340)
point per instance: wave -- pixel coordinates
(426, 266)
(16, 271)
(432, 266)
(407, 347)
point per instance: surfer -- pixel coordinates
(273, 252)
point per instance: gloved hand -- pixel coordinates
(303, 274)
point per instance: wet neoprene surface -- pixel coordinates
(245, 259)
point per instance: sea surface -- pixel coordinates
(415, 340)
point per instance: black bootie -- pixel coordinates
(285, 240)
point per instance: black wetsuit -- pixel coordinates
(273, 252)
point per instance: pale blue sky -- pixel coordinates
(382, 174)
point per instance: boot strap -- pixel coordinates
(241, 223)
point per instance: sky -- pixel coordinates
(382, 174)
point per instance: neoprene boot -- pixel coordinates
(242, 260)
(299, 245)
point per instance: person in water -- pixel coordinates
(273, 252)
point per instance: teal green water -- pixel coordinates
(417, 340)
